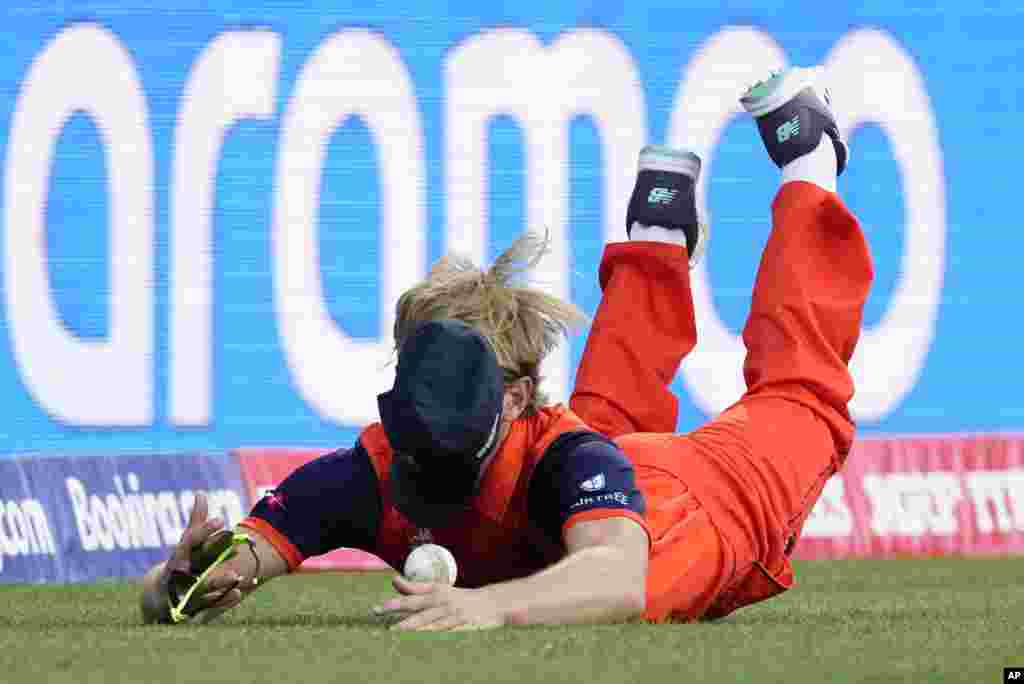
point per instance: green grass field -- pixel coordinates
(948, 620)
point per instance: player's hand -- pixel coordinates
(438, 607)
(219, 590)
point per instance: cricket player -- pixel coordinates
(598, 512)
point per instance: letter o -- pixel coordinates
(707, 101)
(876, 81)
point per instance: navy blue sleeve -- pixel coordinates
(579, 472)
(330, 502)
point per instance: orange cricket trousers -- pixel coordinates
(726, 502)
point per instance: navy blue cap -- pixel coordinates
(441, 419)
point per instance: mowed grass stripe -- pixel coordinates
(935, 620)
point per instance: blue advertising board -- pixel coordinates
(87, 517)
(208, 212)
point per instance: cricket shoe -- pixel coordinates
(664, 198)
(792, 111)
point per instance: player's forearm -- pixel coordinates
(594, 584)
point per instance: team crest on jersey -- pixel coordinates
(593, 484)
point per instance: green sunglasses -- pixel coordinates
(182, 586)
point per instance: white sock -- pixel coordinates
(818, 167)
(642, 233)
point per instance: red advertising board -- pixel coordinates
(922, 496)
(263, 469)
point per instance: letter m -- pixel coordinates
(509, 72)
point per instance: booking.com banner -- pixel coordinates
(207, 213)
(88, 517)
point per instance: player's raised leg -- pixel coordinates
(793, 426)
(816, 270)
(645, 324)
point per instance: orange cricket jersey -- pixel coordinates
(494, 540)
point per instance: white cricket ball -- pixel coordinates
(431, 563)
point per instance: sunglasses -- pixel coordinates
(182, 586)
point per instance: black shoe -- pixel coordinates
(664, 195)
(792, 112)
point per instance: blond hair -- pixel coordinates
(523, 324)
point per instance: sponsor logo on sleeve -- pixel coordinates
(610, 499)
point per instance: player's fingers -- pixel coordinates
(200, 509)
(408, 587)
(422, 619)
(406, 604)
(446, 623)
(230, 600)
(202, 532)
(196, 536)
(180, 554)
(221, 581)
(216, 588)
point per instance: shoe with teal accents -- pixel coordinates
(792, 111)
(665, 196)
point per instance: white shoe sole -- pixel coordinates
(660, 158)
(794, 80)
(673, 160)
